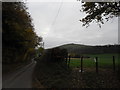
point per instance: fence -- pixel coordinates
(96, 62)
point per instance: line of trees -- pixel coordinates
(76, 50)
(18, 36)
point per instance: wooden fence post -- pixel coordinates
(81, 64)
(66, 60)
(96, 58)
(114, 63)
(69, 62)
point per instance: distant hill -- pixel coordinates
(86, 49)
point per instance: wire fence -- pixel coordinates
(97, 62)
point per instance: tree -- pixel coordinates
(99, 12)
(18, 37)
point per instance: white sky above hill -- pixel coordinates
(58, 23)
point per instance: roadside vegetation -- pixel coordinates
(51, 70)
(18, 36)
(54, 73)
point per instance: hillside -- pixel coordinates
(86, 49)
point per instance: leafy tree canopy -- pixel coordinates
(19, 38)
(99, 12)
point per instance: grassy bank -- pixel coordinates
(50, 75)
(57, 75)
(90, 79)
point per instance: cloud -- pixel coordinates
(67, 27)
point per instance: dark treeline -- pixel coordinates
(55, 55)
(18, 37)
(84, 49)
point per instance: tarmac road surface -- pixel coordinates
(22, 78)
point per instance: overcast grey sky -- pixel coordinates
(67, 28)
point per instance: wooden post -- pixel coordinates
(96, 58)
(69, 62)
(81, 64)
(66, 60)
(114, 63)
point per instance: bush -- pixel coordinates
(55, 55)
(51, 74)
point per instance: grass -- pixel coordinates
(104, 61)
(51, 75)
(90, 79)
(56, 75)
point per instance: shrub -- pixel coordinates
(55, 55)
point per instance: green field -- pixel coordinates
(104, 61)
